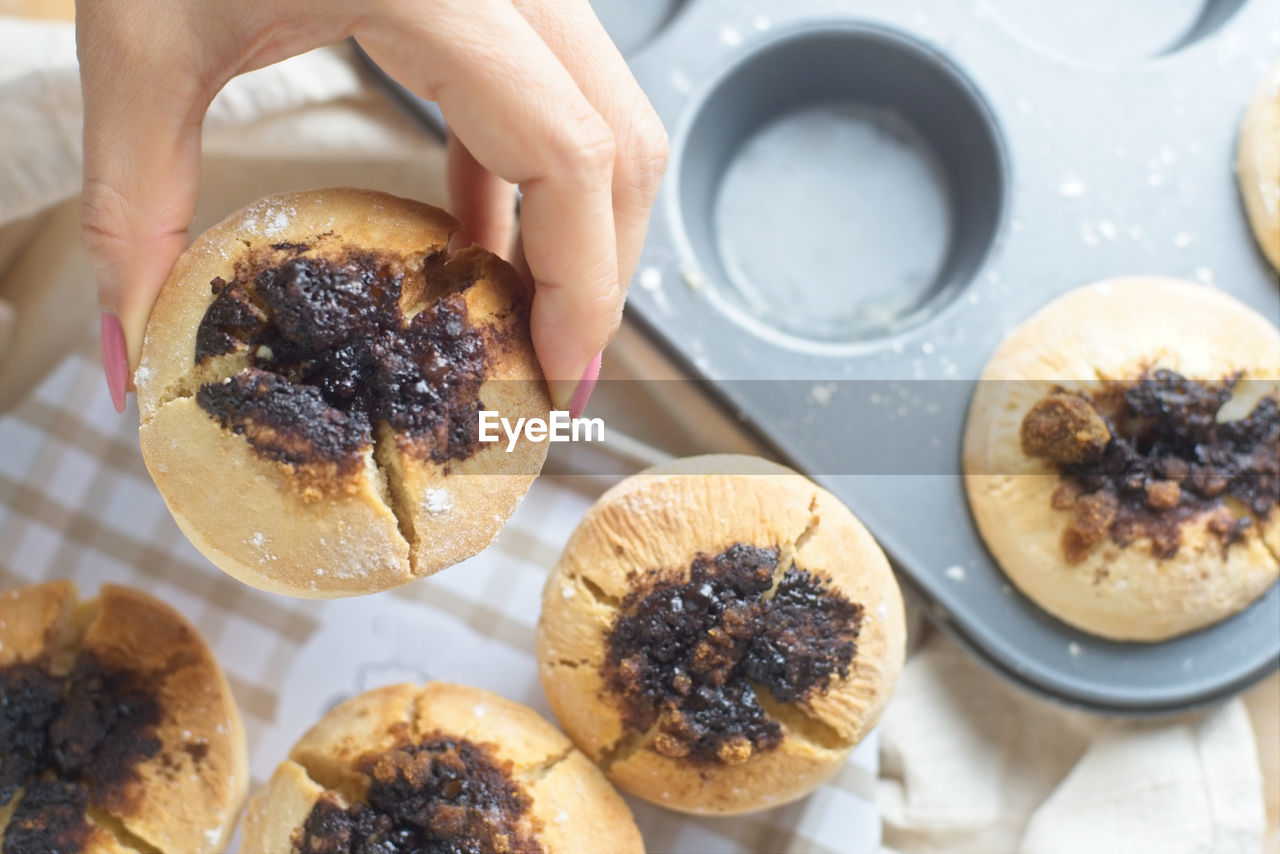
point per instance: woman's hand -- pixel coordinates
(533, 90)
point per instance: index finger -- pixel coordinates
(522, 116)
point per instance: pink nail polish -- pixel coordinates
(586, 385)
(115, 358)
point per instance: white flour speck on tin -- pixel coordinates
(694, 279)
(1203, 275)
(650, 278)
(436, 501)
(680, 81)
(761, 22)
(1089, 234)
(822, 393)
(1183, 239)
(927, 348)
(1071, 187)
(1073, 649)
(955, 572)
(730, 36)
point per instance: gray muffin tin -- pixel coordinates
(864, 198)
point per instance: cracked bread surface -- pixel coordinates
(521, 786)
(790, 638)
(1152, 582)
(139, 744)
(309, 386)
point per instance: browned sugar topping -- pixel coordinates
(1140, 460)
(333, 353)
(70, 742)
(690, 656)
(439, 796)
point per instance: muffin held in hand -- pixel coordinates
(118, 732)
(310, 389)
(1122, 457)
(719, 634)
(406, 769)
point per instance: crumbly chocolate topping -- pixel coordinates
(332, 354)
(441, 795)
(50, 819)
(69, 742)
(1141, 459)
(690, 656)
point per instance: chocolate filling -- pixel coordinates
(441, 796)
(333, 354)
(1140, 460)
(689, 656)
(70, 742)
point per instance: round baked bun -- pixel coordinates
(310, 388)
(438, 768)
(1258, 164)
(1121, 457)
(719, 634)
(117, 729)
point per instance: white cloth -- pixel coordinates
(969, 763)
(972, 764)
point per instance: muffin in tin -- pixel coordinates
(1121, 458)
(719, 634)
(1258, 164)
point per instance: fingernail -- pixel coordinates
(586, 385)
(115, 359)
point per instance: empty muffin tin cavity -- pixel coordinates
(840, 184)
(633, 23)
(1100, 32)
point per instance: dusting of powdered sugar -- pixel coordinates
(269, 220)
(258, 541)
(436, 502)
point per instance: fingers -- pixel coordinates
(483, 202)
(520, 113)
(572, 31)
(142, 171)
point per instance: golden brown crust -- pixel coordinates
(185, 797)
(1114, 330)
(314, 531)
(1258, 164)
(662, 519)
(573, 808)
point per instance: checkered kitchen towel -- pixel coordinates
(76, 502)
